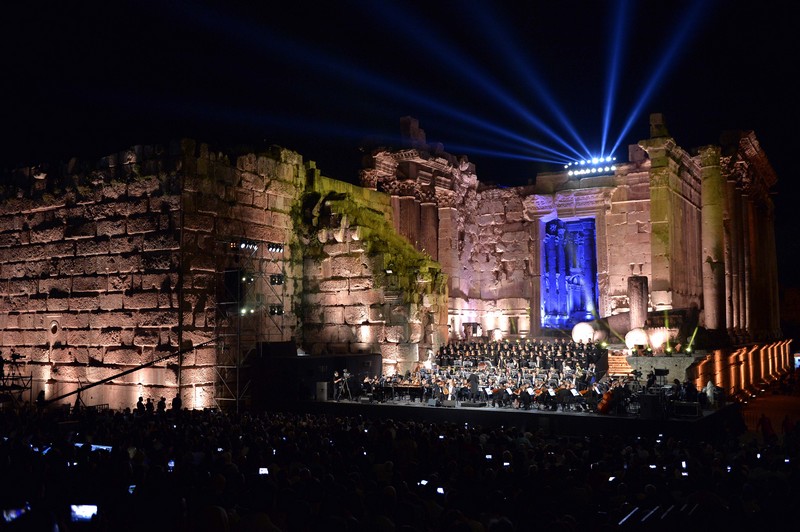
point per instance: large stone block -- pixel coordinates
(337, 334)
(395, 333)
(348, 266)
(361, 283)
(356, 314)
(333, 315)
(333, 285)
(47, 234)
(120, 355)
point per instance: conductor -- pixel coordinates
(474, 393)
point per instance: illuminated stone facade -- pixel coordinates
(158, 272)
(164, 271)
(697, 227)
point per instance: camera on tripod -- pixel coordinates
(16, 356)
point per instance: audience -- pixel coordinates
(193, 470)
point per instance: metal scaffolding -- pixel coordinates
(251, 294)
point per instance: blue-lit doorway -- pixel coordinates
(569, 273)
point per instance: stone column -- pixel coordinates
(408, 220)
(661, 168)
(712, 213)
(638, 296)
(429, 229)
(535, 321)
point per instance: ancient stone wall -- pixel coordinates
(515, 256)
(367, 290)
(90, 280)
(241, 262)
(112, 267)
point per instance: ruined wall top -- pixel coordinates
(744, 161)
(419, 169)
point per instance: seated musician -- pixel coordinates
(498, 390)
(593, 395)
(507, 397)
(524, 396)
(578, 399)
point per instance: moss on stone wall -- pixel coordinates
(413, 273)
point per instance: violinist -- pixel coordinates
(524, 396)
(592, 396)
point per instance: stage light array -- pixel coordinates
(594, 166)
(244, 245)
(274, 247)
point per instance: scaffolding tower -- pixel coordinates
(251, 299)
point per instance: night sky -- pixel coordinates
(499, 81)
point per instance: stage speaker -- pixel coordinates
(448, 403)
(365, 400)
(650, 407)
(432, 402)
(474, 404)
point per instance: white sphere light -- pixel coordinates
(636, 337)
(583, 332)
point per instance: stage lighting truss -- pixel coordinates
(595, 166)
(274, 247)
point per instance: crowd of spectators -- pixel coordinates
(179, 469)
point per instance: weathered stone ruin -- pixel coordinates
(163, 271)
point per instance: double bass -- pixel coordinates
(607, 402)
(604, 406)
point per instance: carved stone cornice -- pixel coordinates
(446, 198)
(369, 178)
(406, 188)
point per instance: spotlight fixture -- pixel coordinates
(244, 245)
(244, 311)
(275, 310)
(274, 247)
(276, 279)
(248, 278)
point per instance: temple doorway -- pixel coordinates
(569, 273)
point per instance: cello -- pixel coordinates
(604, 406)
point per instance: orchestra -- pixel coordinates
(527, 375)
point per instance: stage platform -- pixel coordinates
(642, 419)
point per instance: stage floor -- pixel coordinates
(684, 420)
